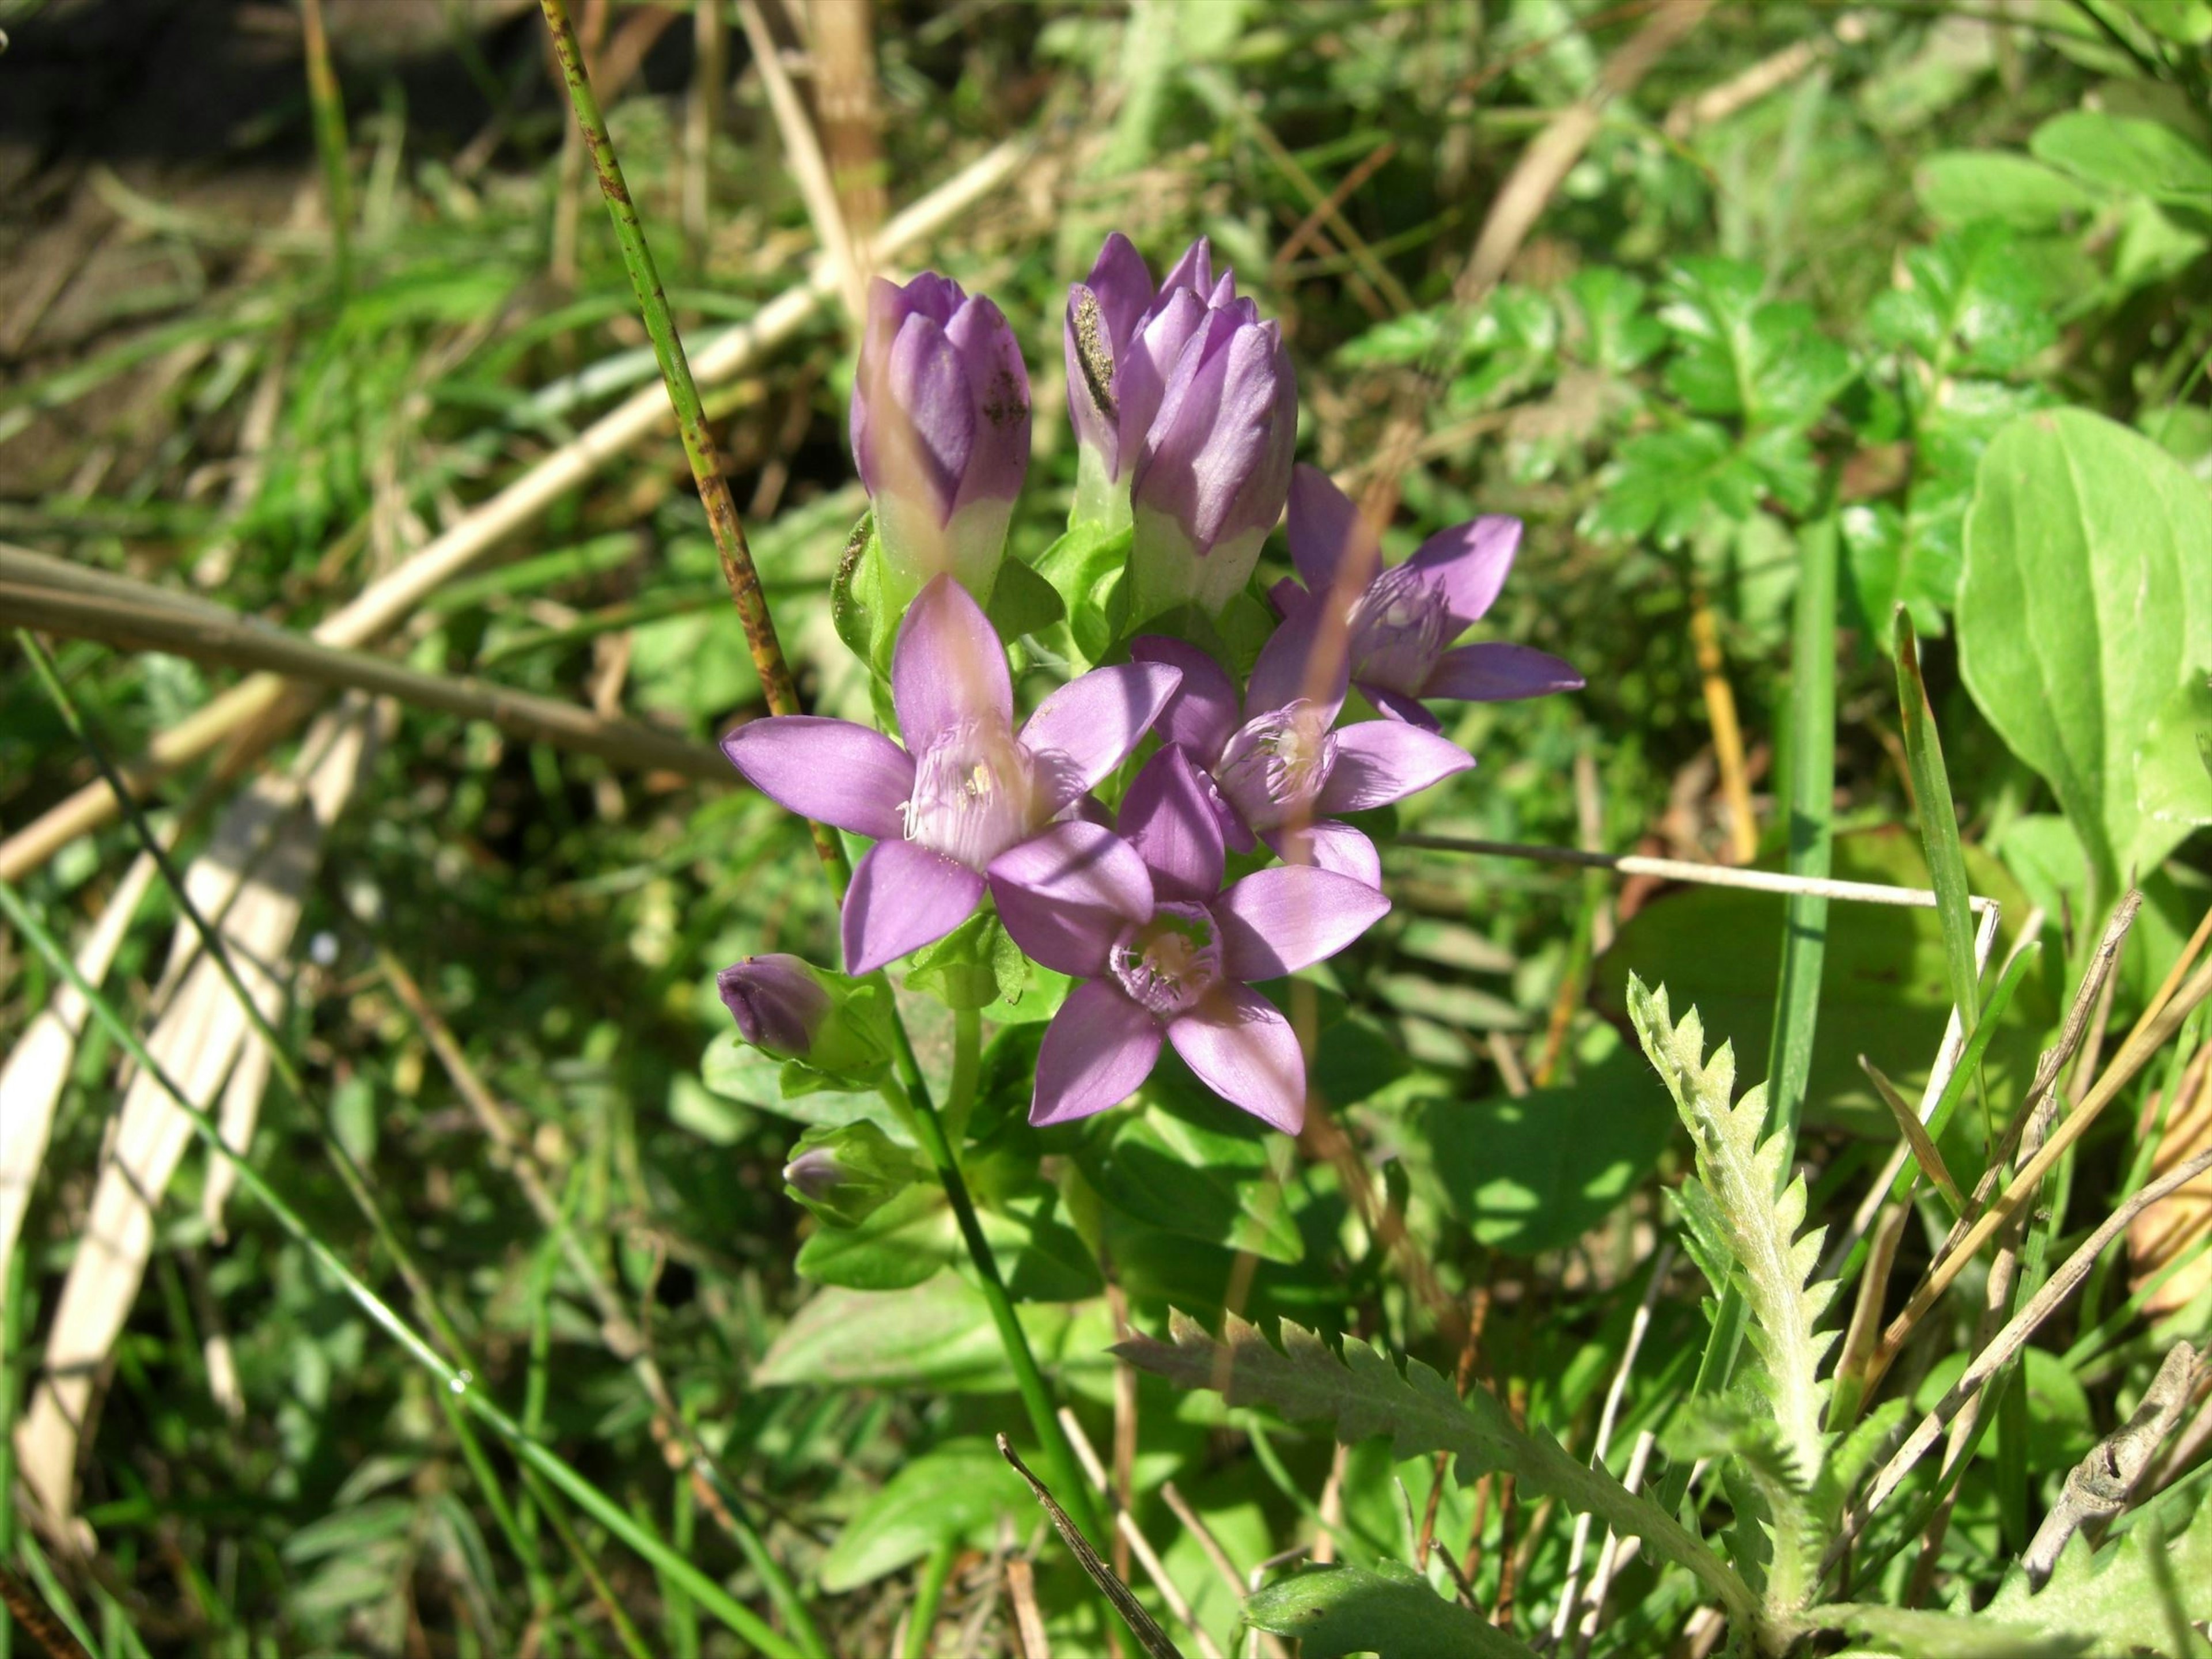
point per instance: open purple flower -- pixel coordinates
(965, 788)
(1280, 768)
(1165, 954)
(940, 430)
(1403, 618)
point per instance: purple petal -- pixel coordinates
(1122, 283)
(1329, 845)
(1245, 1050)
(999, 385)
(920, 432)
(1332, 544)
(1202, 712)
(1193, 270)
(1218, 457)
(1084, 729)
(831, 771)
(1169, 816)
(1142, 370)
(1470, 562)
(1397, 706)
(1289, 917)
(1306, 657)
(902, 897)
(1381, 761)
(948, 666)
(1499, 672)
(1066, 895)
(1099, 1047)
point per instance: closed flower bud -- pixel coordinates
(787, 1007)
(845, 1173)
(1210, 481)
(940, 432)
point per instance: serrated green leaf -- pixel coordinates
(1391, 1612)
(1967, 303)
(1364, 1395)
(1735, 355)
(1755, 1216)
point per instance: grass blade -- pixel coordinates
(1939, 825)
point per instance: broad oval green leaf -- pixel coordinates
(1392, 1611)
(1192, 1167)
(954, 1493)
(2086, 604)
(937, 1335)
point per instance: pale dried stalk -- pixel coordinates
(1194, 1523)
(2098, 1488)
(197, 1041)
(1177, 1603)
(1028, 1623)
(1618, 1552)
(802, 152)
(147, 622)
(392, 597)
(2007, 1344)
(38, 1066)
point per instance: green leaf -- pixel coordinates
(1394, 341)
(734, 1071)
(1885, 986)
(2173, 766)
(1364, 1395)
(1916, 1633)
(1615, 335)
(973, 966)
(1939, 826)
(1968, 303)
(1959, 186)
(914, 1236)
(1535, 1173)
(1742, 1204)
(1082, 567)
(2125, 153)
(937, 1335)
(1392, 1612)
(1190, 1166)
(954, 1493)
(852, 590)
(1022, 602)
(1662, 484)
(2086, 602)
(1764, 362)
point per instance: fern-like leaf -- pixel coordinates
(1766, 1488)
(1734, 1208)
(2121, 1599)
(1364, 1395)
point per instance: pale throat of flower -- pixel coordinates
(1276, 764)
(1166, 965)
(1399, 629)
(974, 794)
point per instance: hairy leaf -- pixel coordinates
(1364, 1395)
(1392, 1611)
(1739, 1200)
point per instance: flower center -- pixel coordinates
(973, 794)
(1167, 964)
(1276, 763)
(1400, 627)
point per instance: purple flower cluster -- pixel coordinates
(1184, 407)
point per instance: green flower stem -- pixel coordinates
(740, 1618)
(745, 584)
(1070, 1488)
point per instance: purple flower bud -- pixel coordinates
(787, 1007)
(940, 431)
(778, 1002)
(1212, 477)
(1123, 341)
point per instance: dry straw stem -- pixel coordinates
(809, 170)
(1195, 1524)
(1126, 1525)
(38, 1065)
(149, 622)
(2098, 1488)
(2166, 1232)
(2138, 1048)
(391, 599)
(2003, 1348)
(198, 1039)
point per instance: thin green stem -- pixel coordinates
(743, 1620)
(745, 584)
(928, 1596)
(1070, 1486)
(13, 1322)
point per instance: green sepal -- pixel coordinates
(864, 1170)
(973, 966)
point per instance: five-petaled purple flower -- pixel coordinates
(1185, 407)
(940, 431)
(1403, 618)
(1278, 770)
(965, 788)
(1165, 953)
